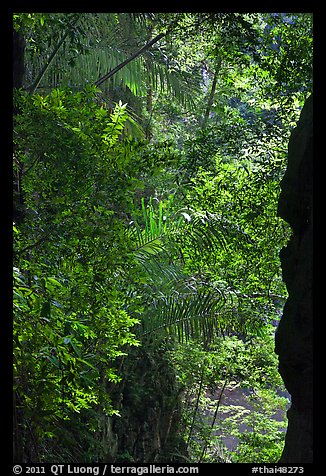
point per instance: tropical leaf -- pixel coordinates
(192, 315)
(96, 44)
(187, 306)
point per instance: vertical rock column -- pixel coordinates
(294, 334)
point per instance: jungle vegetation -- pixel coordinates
(148, 154)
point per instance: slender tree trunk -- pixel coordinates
(149, 105)
(212, 93)
(214, 420)
(48, 63)
(196, 406)
(149, 108)
(149, 87)
(52, 56)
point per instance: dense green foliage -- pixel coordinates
(146, 224)
(230, 395)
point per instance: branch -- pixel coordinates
(135, 55)
(52, 56)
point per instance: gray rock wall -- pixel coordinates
(294, 335)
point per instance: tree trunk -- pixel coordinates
(211, 96)
(213, 421)
(196, 406)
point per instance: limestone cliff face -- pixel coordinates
(294, 334)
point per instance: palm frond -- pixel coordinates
(204, 231)
(191, 314)
(207, 231)
(103, 45)
(187, 306)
